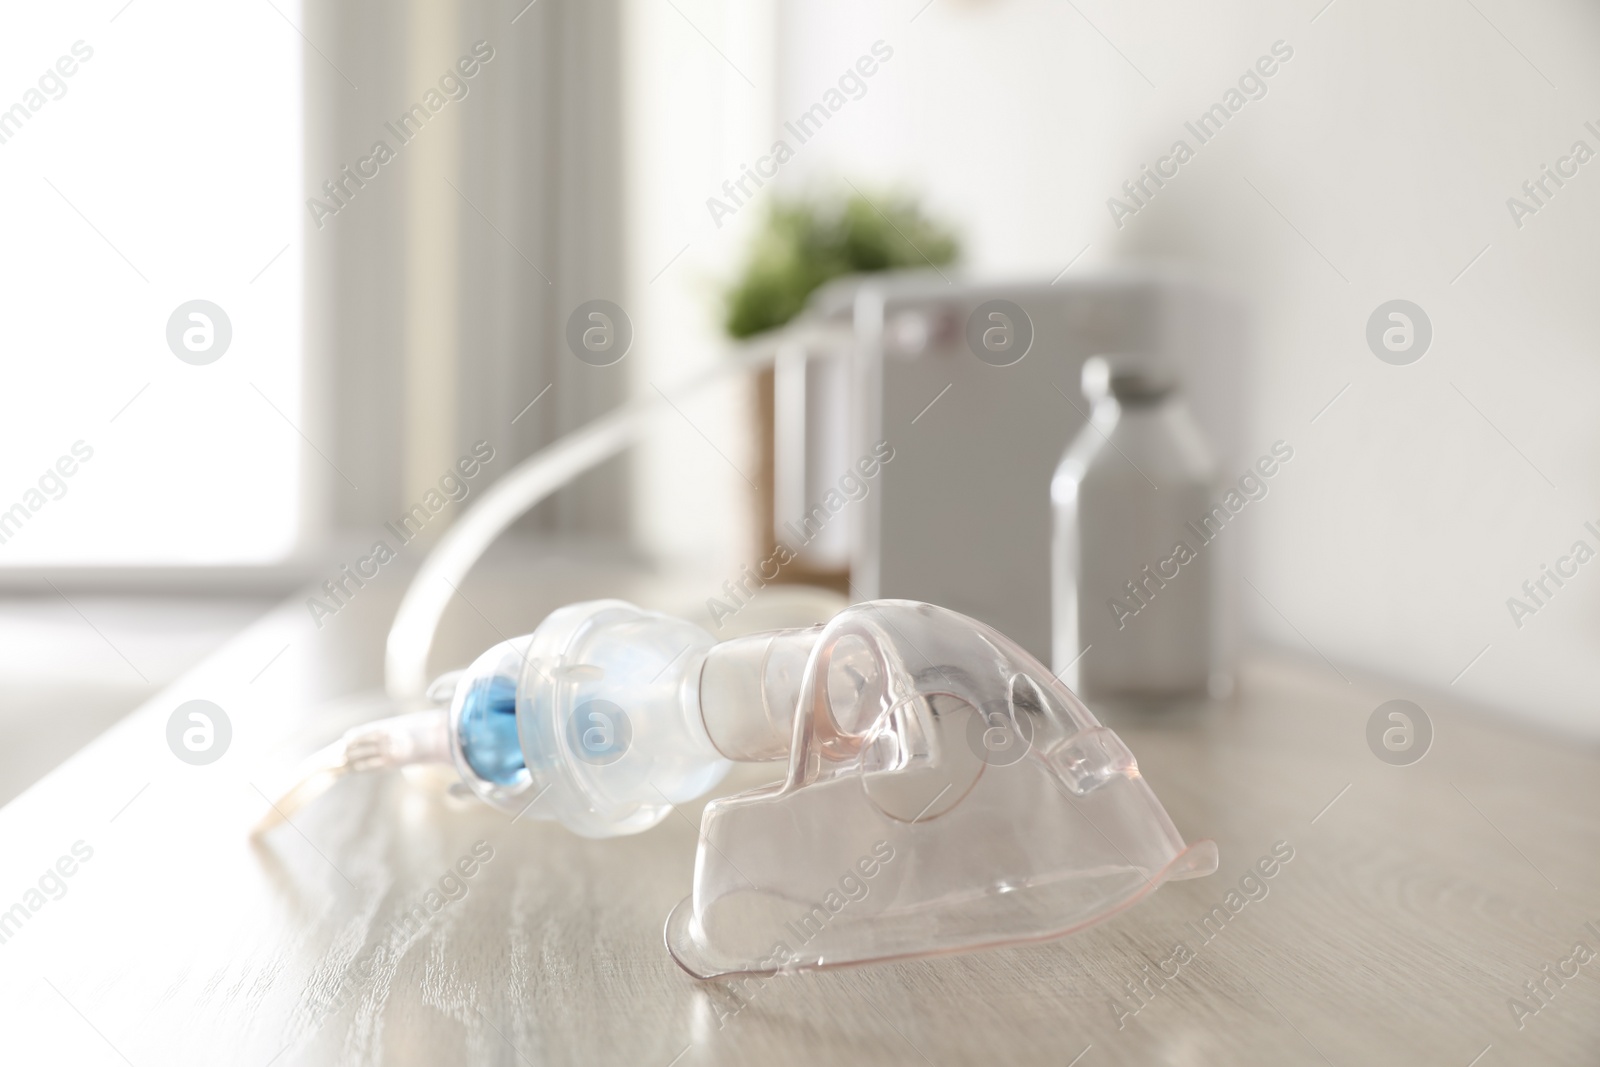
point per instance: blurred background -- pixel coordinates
(385, 312)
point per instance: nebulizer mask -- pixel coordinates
(944, 791)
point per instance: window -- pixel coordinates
(150, 158)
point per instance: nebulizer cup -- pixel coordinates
(595, 715)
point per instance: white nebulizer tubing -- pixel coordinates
(531, 481)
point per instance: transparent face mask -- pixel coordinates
(944, 792)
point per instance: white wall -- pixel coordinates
(1387, 147)
(699, 95)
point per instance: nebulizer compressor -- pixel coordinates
(923, 746)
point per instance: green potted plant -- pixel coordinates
(806, 242)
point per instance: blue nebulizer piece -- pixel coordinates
(488, 728)
(985, 800)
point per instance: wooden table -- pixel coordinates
(1418, 901)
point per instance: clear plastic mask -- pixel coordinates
(944, 793)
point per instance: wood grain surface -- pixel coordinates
(1418, 901)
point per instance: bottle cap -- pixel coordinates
(1130, 379)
